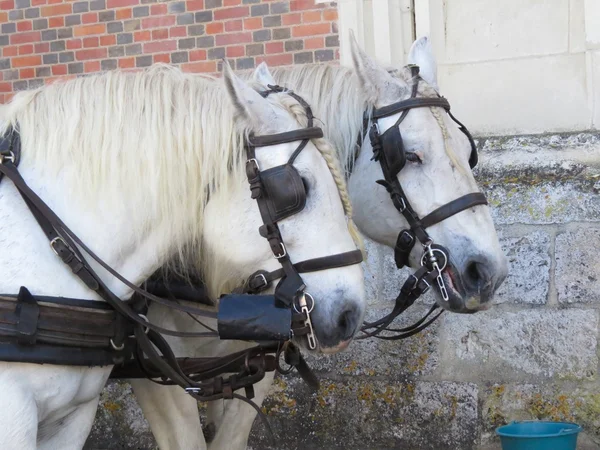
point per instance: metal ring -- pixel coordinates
(433, 250)
(312, 306)
(121, 347)
(147, 321)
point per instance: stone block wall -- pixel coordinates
(533, 355)
(43, 40)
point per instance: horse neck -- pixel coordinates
(27, 259)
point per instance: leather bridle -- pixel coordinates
(388, 150)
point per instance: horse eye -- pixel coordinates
(413, 157)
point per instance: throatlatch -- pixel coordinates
(388, 150)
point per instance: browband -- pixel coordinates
(453, 207)
(405, 105)
(283, 138)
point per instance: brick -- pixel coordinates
(334, 27)
(196, 30)
(57, 46)
(253, 23)
(158, 22)
(115, 52)
(74, 44)
(42, 47)
(73, 20)
(60, 69)
(35, 83)
(5, 87)
(106, 16)
(194, 5)
(81, 7)
(110, 39)
(91, 66)
(4, 40)
(205, 41)
(244, 63)
(248, 2)
(275, 60)
(184, 44)
(261, 35)
(216, 53)
(210, 4)
(27, 73)
(26, 61)
(281, 33)
(51, 58)
(95, 53)
(43, 72)
(121, 3)
(20, 4)
(75, 68)
(160, 46)
(90, 42)
(20, 85)
(87, 30)
(133, 49)
(332, 41)
(176, 7)
(9, 75)
(32, 13)
(56, 22)
(200, 67)
(259, 10)
(274, 47)
(330, 15)
(140, 36)
(97, 5)
(126, 63)
(203, 16)
(8, 28)
(235, 51)
(7, 5)
(279, 7)
(311, 30)
(159, 9)
(303, 58)
(32, 36)
(124, 38)
(177, 32)
(299, 5)
(158, 35)
(143, 61)
(26, 49)
(24, 25)
(311, 16)
(185, 19)
(291, 46)
(214, 28)
(197, 55)
(233, 38)
(324, 55)
(291, 19)
(40, 24)
(179, 57)
(314, 43)
(125, 13)
(162, 58)
(232, 2)
(10, 51)
(66, 57)
(114, 27)
(231, 13)
(17, 14)
(65, 33)
(109, 64)
(255, 49)
(89, 18)
(131, 25)
(60, 9)
(272, 21)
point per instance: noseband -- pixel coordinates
(388, 150)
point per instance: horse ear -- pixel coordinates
(421, 54)
(251, 107)
(262, 74)
(378, 84)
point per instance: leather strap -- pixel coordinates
(453, 207)
(287, 137)
(408, 104)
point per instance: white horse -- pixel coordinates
(125, 160)
(438, 173)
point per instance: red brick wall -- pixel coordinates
(42, 40)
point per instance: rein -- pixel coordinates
(388, 150)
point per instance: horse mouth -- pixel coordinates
(459, 301)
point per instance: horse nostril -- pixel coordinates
(347, 323)
(476, 275)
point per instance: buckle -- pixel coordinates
(405, 240)
(54, 241)
(7, 157)
(262, 279)
(255, 162)
(283, 253)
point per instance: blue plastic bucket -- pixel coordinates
(535, 435)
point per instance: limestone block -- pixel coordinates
(504, 345)
(578, 266)
(485, 30)
(361, 413)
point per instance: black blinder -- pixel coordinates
(393, 149)
(285, 191)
